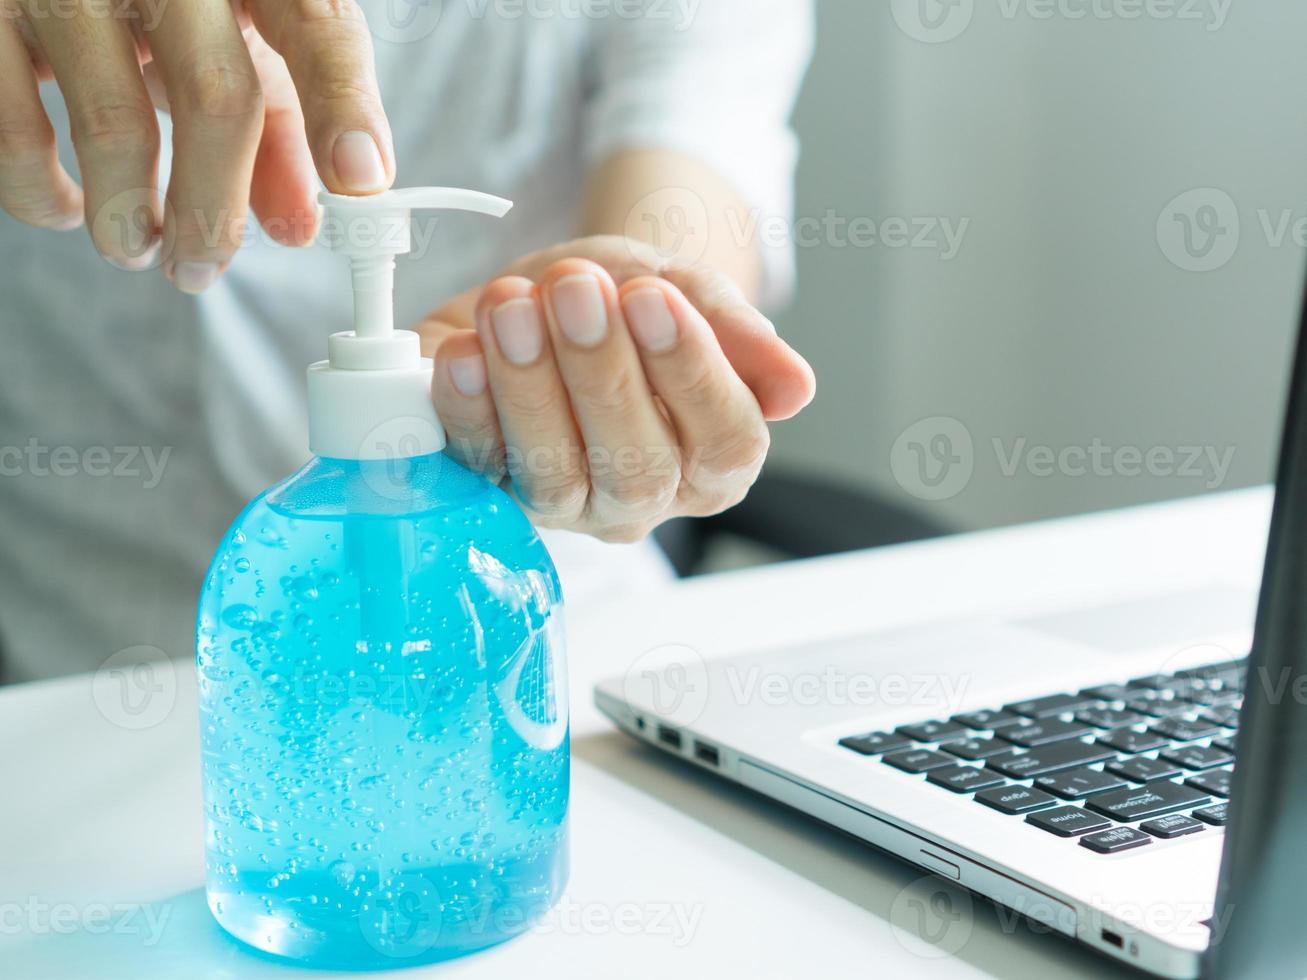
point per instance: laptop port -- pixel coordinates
(1113, 939)
(669, 737)
(707, 754)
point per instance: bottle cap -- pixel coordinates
(371, 398)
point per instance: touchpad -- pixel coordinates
(1174, 620)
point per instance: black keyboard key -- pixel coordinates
(1142, 769)
(974, 749)
(1230, 673)
(1158, 707)
(1182, 730)
(933, 731)
(1226, 717)
(1172, 825)
(1214, 815)
(1014, 800)
(1216, 782)
(1044, 732)
(1115, 840)
(1198, 757)
(917, 761)
(1067, 821)
(1208, 697)
(1145, 802)
(988, 719)
(1076, 784)
(875, 743)
(1165, 683)
(964, 779)
(1110, 718)
(1224, 744)
(1054, 704)
(1131, 742)
(1107, 692)
(1049, 758)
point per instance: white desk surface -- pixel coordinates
(674, 873)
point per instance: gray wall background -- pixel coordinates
(1066, 315)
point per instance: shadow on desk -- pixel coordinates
(926, 915)
(176, 937)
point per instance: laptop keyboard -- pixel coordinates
(1115, 766)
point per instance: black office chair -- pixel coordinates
(798, 517)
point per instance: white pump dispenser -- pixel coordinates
(371, 399)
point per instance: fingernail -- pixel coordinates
(517, 330)
(650, 319)
(358, 162)
(69, 222)
(469, 374)
(140, 260)
(580, 310)
(194, 277)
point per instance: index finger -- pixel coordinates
(217, 109)
(327, 47)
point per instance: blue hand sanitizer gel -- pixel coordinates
(382, 690)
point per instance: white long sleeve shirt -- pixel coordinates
(135, 422)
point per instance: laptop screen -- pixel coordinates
(1263, 885)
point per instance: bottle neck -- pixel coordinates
(373, 278)
(373, 414)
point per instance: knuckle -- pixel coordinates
(40, 212)
(329, 90)
(223, 88)
(736, 459)
(609, 392)
(24, 142)
(108, 126)
(559, 499)
(535, 404)
(699, 503)
(699, 386)
(624, 533)
(631, 498)
(312, 11)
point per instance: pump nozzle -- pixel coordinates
(372, 377)
(371, 230)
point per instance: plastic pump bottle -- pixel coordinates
(382, 689)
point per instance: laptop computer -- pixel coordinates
(1132, 776)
